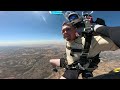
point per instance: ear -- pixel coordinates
(77, 34)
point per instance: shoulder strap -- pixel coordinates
(87, 33)
(88, 38)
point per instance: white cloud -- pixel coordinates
(44, 18)
(35, 12)
(41, 14)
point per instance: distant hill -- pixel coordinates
(30, 62)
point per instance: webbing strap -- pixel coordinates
(73, 50)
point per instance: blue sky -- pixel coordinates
(36, 27)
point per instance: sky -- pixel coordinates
(38, 27)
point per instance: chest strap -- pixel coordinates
(73, 50)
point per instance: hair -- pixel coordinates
(67, 23)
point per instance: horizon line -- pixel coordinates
(31, 43)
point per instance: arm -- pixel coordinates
(102, 30)
(111, 32)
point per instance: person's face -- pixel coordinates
(69, 32)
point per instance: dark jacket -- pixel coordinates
(112, 32)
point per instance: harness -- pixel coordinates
(84, 62)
